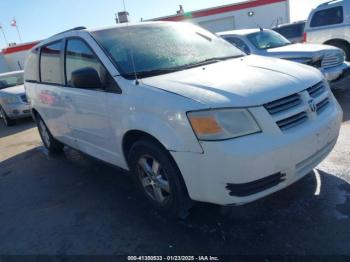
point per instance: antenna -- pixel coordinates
(131, 52)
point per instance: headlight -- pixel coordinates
(10, 100)
(222, 124)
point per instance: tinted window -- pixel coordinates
(329, 16)
(32, 65)
(239, 44)
(50, 64)
(79, 56)
(11, 80)
(291, 31)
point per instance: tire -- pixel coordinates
(50, 143)
(345, 47)
(7, 121)
(159, 178)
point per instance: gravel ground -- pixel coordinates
(70, 204)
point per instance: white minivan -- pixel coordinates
(187, 113)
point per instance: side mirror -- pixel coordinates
(86, 78)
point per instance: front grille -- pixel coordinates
(24, 98)
(332, 60)
(316, 90)
(283, 104)
(322, 105)
(294, 110)
(292, 121)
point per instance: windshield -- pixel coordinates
(161, 48)
(11, 80)
(267, 39)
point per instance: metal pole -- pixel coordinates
(19, 34)
(3, 33)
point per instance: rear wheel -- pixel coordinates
(7, 121)
(51, 144)
(158, 177)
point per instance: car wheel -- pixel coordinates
(159, 178)
(7, 121)
(343, 46)
(51, 144)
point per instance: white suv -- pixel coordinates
(329, 24)
(189, 115)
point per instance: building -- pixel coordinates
(249, 14)
(12, 58)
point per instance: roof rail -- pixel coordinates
(327, 3)
(73, 29)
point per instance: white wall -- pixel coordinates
(3, 66)
(15, 61)
(265, 16)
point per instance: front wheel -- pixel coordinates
(51, 144)
(158, 177)
(7, 121)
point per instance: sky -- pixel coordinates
(39, 19)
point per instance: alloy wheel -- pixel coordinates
(154, 179)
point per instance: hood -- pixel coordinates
(15, 90)
(301, 50)
(248, 81)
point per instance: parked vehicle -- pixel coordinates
(328, 59)
(13, 99)
(188, 114)
(329, 24)
(294, 32)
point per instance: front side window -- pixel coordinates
(79, 56)
(330, 16)
(239, 44)
(32, 65)
(267, 39)
(11, 80)
(50, 63)
(153, 49)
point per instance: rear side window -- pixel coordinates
(329, 16)
(31, 66)
(50, 63)
(78, 56)
(291, 31)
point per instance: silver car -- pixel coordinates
(13, 99)
(329, 60)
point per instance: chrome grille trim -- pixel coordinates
(316, 90)
(283, 104)
(292, 121)
(322, 105)
(332, 60)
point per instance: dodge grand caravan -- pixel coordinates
(188, 114)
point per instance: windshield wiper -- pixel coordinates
(149, 73)
(160, 71)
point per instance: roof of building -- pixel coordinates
(217, 10)
(19, 48)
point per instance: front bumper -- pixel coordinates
(17, 110)
(338, 75)
(242, 170)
